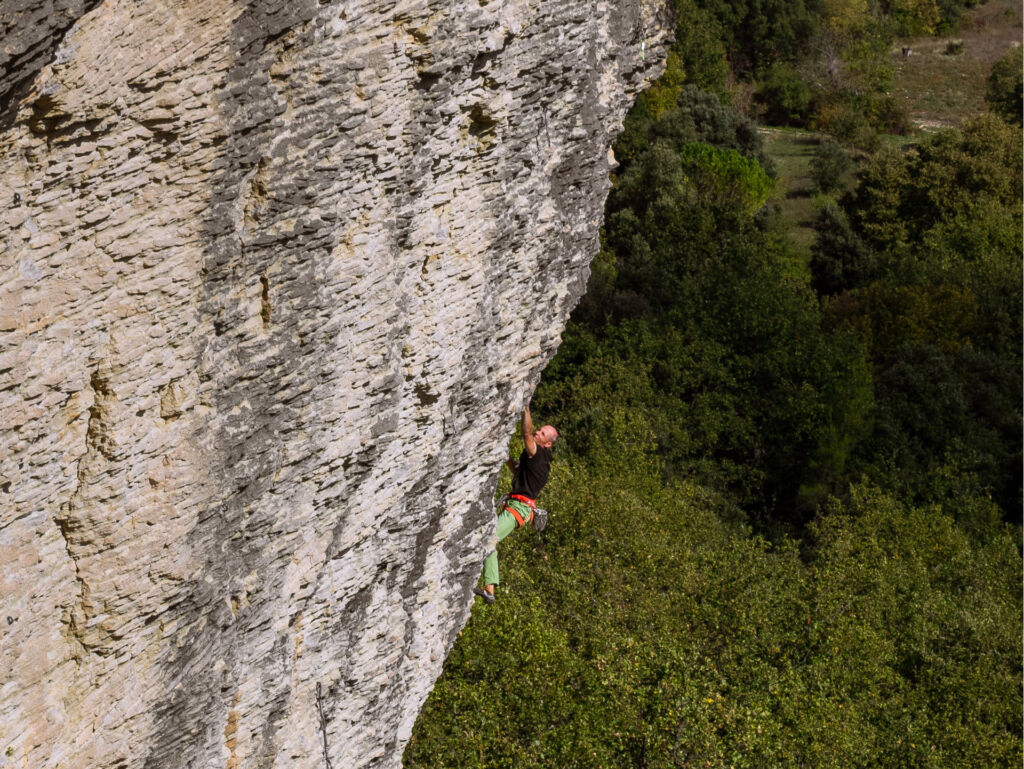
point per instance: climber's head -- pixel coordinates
(546, 436)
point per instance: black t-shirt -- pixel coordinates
(532, 473)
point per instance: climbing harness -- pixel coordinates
(531, 503)
(538, 515)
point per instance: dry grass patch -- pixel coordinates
(942, 82)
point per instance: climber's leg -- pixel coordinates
(506, 525)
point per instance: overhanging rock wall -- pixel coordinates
(277, 278)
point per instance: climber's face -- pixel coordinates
(546, 436)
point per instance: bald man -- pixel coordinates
(529, 475)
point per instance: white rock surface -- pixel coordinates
(277, 279)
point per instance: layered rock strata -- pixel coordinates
(277, 278)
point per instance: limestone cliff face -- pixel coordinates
(277, 278)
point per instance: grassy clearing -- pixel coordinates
(793, 150)
(940, 88)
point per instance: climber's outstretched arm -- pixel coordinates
(529, 442)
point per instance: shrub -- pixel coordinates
(887, 114)
(848, 123)
(727, 179)
(1005, 90)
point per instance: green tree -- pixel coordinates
(829, 164)
(785, 96)
(840, 259)
(913, 17)
(1005, 89)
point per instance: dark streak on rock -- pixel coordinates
(255, 413)
(265, 308)
(32, 32)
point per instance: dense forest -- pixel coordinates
(786, 504)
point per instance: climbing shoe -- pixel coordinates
(488, 598)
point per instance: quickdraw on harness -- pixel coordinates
(531, 503)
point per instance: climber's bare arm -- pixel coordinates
(529, 441)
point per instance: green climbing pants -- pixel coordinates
(506, 525)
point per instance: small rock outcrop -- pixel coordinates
(277, 278)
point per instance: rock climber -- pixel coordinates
(529, 475)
